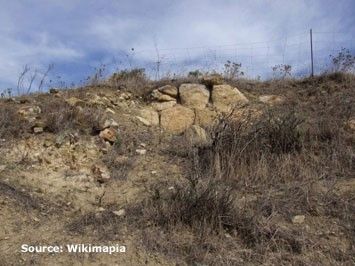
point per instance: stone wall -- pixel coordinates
(177, 109)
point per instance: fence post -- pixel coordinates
(310, 32)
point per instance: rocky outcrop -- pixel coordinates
(194, 95)
(163, 105)
(225, 97)
(169, 90)
(161, 97)
(205, 117)
(177, 119)
(148, 117)
(190, 104)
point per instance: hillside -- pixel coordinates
(190, 171)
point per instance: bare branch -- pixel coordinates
(45, 74)
(21, 78)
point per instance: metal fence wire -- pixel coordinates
(257, 58)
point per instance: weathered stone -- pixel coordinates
(197, 136)
(163, 105)
(47, 143)
(169, 90)
(149, 117)
(109, 134)
(272, 99)
(205, 117)
(59, 141)
(38, 130)
(351, 124)
(160, 97)
(212, 80)
(298, 219)
(177, 119)
(141, 151)
(125, 96)
(110, 111)
(110, 123)
(101, 173)
(29, 111)
(96, 100)
(144, 121)
(194, 95)
(224, 97)
(121, 212)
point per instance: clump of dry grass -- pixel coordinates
(104, 225)
(249, 184)
(59, 117)
(134, 81)
(12, 125)
(117, 163)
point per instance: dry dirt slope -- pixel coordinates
(100, 165)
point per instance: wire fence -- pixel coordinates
(257, 58)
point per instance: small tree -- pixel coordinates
(232, 70)
(282, 71)
(344, 61)
(21, 78)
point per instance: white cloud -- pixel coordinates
(39, 32)
(15, 53)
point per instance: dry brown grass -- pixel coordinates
(12, 125)
(58, 116)
(254, 178)
(134, 81)
(240, 194)
(118, 164)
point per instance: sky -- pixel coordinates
(166, 37)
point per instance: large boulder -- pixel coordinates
(161, 97)
(177, 119)
(169, 90)
(225, 97)
(160, 106)
(194, 95)
(149, 117)
(205, 117)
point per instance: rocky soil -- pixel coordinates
(99, 150)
